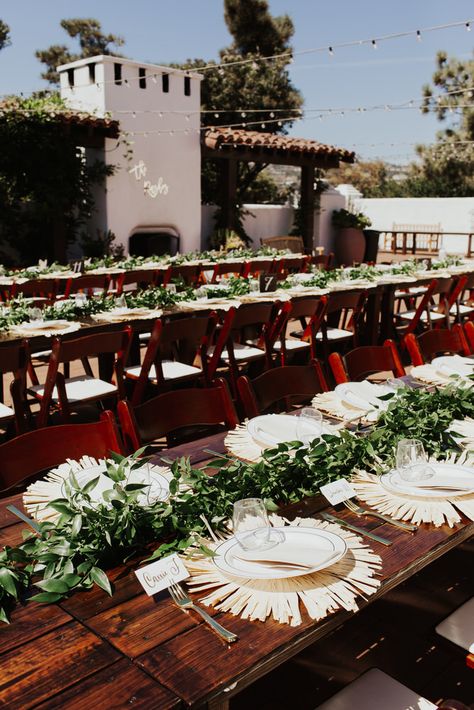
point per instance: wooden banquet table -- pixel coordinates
(131, 650)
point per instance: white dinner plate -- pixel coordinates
(393, 482)
(324, 547)
(159, 489)
(273, 429)
(454, 364)
(363, 395)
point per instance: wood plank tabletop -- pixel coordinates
(140, 651)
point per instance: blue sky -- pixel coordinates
(162, 31)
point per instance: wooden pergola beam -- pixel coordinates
(274, 157)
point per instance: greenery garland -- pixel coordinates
(74, 552)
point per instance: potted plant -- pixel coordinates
(350, 241)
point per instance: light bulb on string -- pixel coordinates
(280, 123)
(187, 117)
(134, 114)
(418, 35)
(374, 44)
(272, 115)
(331, 51)
(254, 65)
(154, 79)
(216, 115)
(263, 125)
(243, 114)
(468, 26)
(160, 114)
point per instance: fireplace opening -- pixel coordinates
(147, 241)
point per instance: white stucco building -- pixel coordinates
(159, 189)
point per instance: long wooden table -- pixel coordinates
(131, 650)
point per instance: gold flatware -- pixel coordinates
(359, 510)
(355, 528)
(181, 599)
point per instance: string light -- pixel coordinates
(418, 35)
(290, 54)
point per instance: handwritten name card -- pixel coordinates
(338, 491)
(160, 574)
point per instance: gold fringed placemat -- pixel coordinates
(53, 329)
(414, 509)
(319, 593)
(239, 442)
(39, 494)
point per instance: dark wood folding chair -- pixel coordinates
(309, 311)
(173, 414)
(140, 278)
(469, 334)
(42, 449)
(422, 348)
(41, 291)
(226, 268)
(65, 393)
(325, 262)
(281, 387)
(255, 267)
(361, 362)
(177, 353)
(251, 338)
(90, 284)
(13, 361)
(189, 274)
(292, 265)
(427, 314)
(342, 323)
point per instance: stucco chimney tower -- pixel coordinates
(160, 187)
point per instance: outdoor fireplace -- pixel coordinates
(146, 241)
(159, 182)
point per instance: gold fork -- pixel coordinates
(359, 510)
(181, 599)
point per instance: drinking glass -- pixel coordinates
(309, 424)
(80, 299)
(411, 460)
(36, 314)
(251, 525)
(171, 288)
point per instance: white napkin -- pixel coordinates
(289, 552)
(453, 365)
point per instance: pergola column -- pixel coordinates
(229, 192)
(307, 206)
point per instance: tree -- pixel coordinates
(92, 42)
(373, 178)
(4, 35)
(260, 86)
(447, 167)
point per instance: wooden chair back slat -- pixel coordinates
(367, 360)
(277, 388)
(422, 348)
(42, 449)
(171, 411)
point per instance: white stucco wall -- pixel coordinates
(277, 220)
(170, 164)
(455, 214)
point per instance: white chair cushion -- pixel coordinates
(292, 345)
(6, 412)
(79, 389)
(172, 370)
(459, 626)
(409, 315)
(415, 291)
(463, 310)
(241, 352)
(376, 690)
(335, 334)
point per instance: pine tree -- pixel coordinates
(92, 42)
(4, 35)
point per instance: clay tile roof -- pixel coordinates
(218, 138)
(79, 119)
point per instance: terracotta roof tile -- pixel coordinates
(69, 117)
(215, 138)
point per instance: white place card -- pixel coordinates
(160, 574)
(338, 491)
